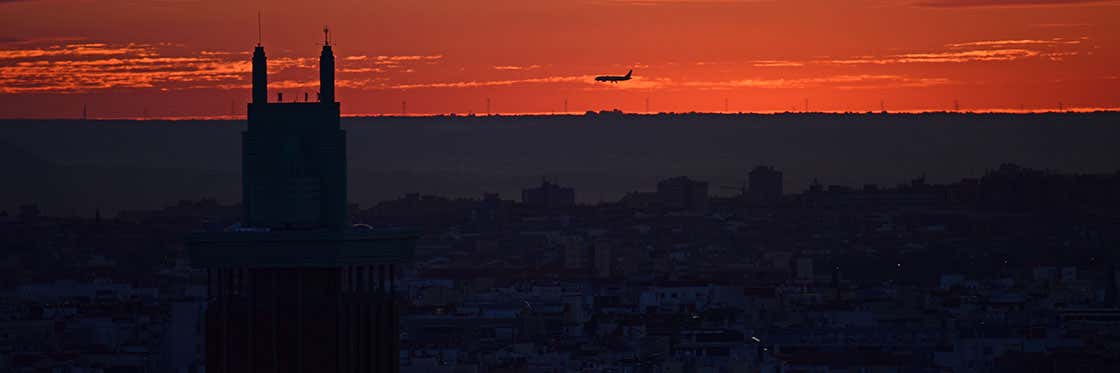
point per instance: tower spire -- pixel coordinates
(260, 67)
(326, 69)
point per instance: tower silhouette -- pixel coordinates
(326, 69)
(296, 289)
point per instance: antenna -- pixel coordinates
(882, 106)
(565, 105)
(260, 29)
(487, 106)
(326, 35)
(956, 105)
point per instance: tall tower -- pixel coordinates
(296, 288)
(326, 69)
(260, 75)
(294, 157)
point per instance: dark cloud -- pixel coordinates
(1006, 3)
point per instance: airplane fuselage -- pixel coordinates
(613, 78)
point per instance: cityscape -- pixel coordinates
(312, 228)
(1004, 272)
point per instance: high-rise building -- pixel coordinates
(296, 289)
(683, 193)
(548, 196)
(765, 185)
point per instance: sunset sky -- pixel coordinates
(189, 58)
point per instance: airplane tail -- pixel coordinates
(629, 72)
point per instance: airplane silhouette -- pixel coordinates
(614, 79)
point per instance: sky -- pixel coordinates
(190, 58)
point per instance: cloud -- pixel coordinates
(84, 66)
(973, 51)
(493, 83)
(516, 68)
(407, 58)
(1007, 3)
(941, 57)
(81, 67)
(1018, 42)
(776, 63)
(77, 50)
(845, 82)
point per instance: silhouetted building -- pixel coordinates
(296, 289)
(603, 259)
(683, 193)
(549, 196)
(765, 185)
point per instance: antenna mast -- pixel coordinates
(326, 35)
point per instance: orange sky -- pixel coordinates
(189, 58)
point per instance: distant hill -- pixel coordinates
(74, 166)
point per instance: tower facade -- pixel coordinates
(296, 289)
(294, 157)
(260, 75)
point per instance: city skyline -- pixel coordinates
(439, 57)
(772, 186)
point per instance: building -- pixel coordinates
(296, 288)
(575, 251)
(603, 259)
(548, 196)
(683, 193)
(765, 185)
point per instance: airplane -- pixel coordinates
(614, 79)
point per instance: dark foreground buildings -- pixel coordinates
(297, 289)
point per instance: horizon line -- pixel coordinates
(226, 117)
